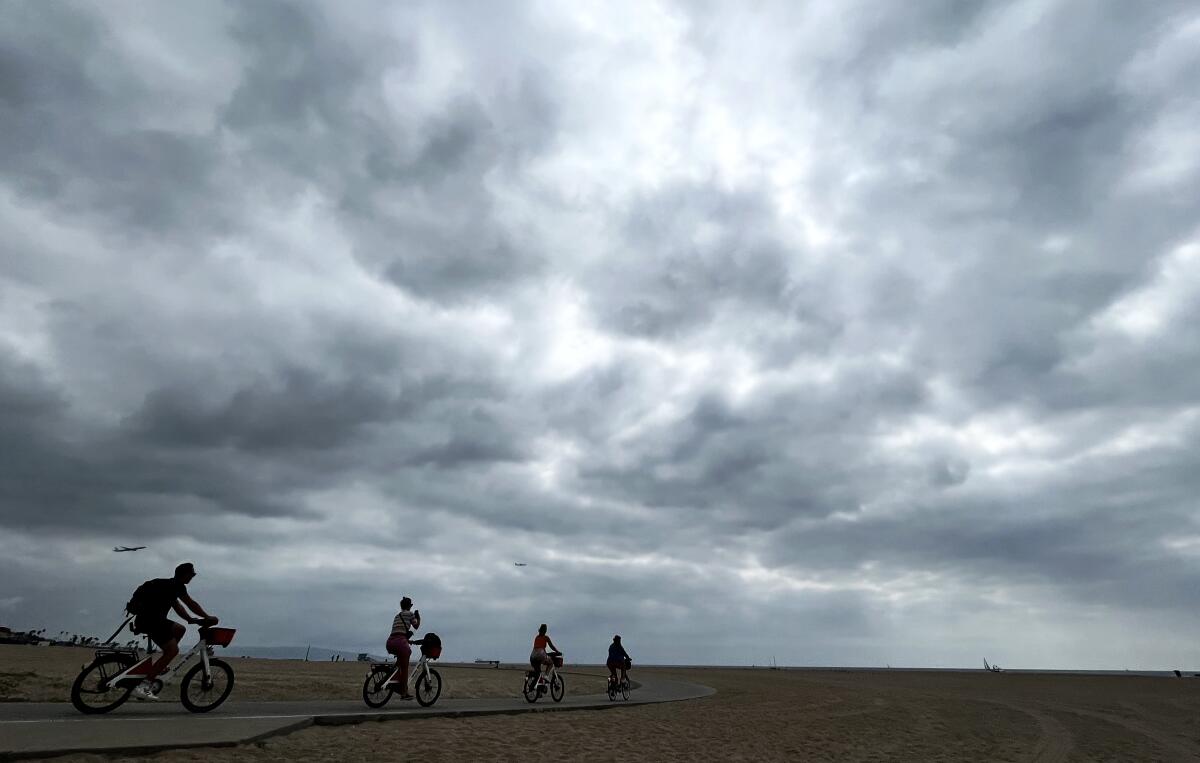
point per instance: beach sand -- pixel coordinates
(770, 715)
(45, 674)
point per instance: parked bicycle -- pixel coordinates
(106, 682)
(536, 684)
(382, 678)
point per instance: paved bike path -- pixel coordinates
(41, 729)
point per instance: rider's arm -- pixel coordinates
(551, 643)
(416, 619)
(192, 605)
(179, 610)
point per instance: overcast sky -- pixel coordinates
(847, 333)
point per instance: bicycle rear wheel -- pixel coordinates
(558, 688)
(612, 691)
(376, 690)
(531, 688)
(91, 693)
(200, 693)
(429, 688)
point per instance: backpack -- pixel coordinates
(141, 597)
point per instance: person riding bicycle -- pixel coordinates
(406, 621)
(150, 604)
(618, 659)
(539, 657)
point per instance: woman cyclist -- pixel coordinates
(618, 659)
(406, 621)
(539, 657)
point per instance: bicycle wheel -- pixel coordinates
(92, 694)
(429, 688)
(612, 691)
(624, 690)
(376, 690)
(558, 688)
(200, 693)
(531, 688)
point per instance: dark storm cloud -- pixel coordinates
(410, 184)
(837, 319)
(686, 282)
(74, 112)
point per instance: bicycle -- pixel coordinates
(381, 680)
(105, 683)
(535, 686)
(618, 687)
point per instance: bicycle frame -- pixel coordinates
(421, 668)
(141, 668)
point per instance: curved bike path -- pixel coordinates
(44, 729)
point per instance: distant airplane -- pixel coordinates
(520, 564)
(991, 668)
(119, 549)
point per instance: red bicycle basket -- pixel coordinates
(218, 636)
(433, 652)
(558, 661)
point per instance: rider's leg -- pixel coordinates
(170, 650)
(403, 658)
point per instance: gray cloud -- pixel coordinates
(867, 328)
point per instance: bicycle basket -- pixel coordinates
(431, 646)
(558, 661)
(218, 636)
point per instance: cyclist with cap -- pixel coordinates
(406, 621)
(618, 659)
(151, 603)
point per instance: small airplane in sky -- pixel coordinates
(119, 549)
(520, 564)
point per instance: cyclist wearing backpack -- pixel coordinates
(149, 605)
(618, 659)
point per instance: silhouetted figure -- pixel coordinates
(618, 659)
(404, 623)
(539, 657)
(150, 604)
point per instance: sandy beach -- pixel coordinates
(44, 674)
(756, 715)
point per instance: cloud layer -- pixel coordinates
(835, 333)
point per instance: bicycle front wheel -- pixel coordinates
(429, 688)
(200, 693)
(376, 689)
(624, 690)
(531, 688)
(558, 688)
(92, 693)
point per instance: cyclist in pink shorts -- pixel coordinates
(406, 621)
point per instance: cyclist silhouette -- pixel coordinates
(150, 604)
(618, 659)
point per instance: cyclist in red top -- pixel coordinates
(538, 657)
